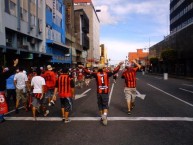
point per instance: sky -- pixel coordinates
(128, 25)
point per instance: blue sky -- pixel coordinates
(127, 25)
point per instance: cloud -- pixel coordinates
(128, 25)
(105, 16)
(118, 50)
(114, 11)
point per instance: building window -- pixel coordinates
(9, 38)
(59, 6)
(7, 6)
(12, 8)
(25, 15)
(58, 21)
(33, 20)
(39, 3)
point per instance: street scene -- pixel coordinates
(164, 116)
(92, 72)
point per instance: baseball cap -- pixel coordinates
(49, 67)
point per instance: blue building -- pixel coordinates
(55, 33)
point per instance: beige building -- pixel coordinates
(93, 53)
(103, 56)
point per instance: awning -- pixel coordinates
(19, 50)
(57, 43)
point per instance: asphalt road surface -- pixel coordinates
(164, 117)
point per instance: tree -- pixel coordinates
(154, 60)
(169, 56)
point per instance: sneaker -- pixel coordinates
(67, 120)
(47, 112)
(104, 120)
(129, 112)
(16, 111)
(51, 103)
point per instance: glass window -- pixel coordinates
(32, 20)
(12, 8)
(7, 6)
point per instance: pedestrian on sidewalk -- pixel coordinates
(64, 89)
(3, 77)
(102, 81)
(129, 75)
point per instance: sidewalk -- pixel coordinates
(171, 76)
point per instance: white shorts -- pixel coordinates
(130, 94)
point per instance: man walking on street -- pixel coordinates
(38, 83)
(64, 88)
(21, 83)
(130, 84)
(102, 80)
(50, 78)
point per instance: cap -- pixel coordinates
(5, 69)
(49, 67)
(101, 66)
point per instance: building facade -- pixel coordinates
(140, 56)
(93, 54)
(34, 30)
(55, 33)
(103, 55)
(82, 40)
(21, 31)
(181, 14)
(180, 40)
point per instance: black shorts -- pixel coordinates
(66, 103)
(103, 100)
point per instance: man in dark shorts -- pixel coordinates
(64, 88)
(102, 81)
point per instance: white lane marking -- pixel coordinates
(77, 96)
(186, 90)
(188, 85)
(158, 78)
(13, 110)
(98, 118)
(110, 95)
(171, 95)
(142, 96)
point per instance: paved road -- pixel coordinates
(164, 117)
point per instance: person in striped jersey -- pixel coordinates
(102, 82)
(130, 84)
(64, 87)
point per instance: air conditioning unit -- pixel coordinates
(25, 47)
(31, 27)
(40, 29)
(33, 41)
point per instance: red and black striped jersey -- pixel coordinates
(130, 77)
(50, 78)
(65, 85)
(102, 83)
